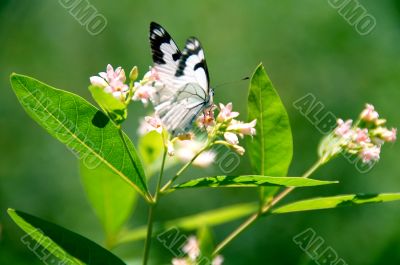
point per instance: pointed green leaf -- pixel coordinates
(251, 181)
(271, 149)
(115, 109)
(82, 127)
(112, 198)
(59, 244)
(336, 201)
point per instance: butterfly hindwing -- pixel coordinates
(180, 111)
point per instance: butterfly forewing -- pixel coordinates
(192, 66)
(165, 53)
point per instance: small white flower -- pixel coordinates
(186, 150)
(361, 136)
(343, 128)
(369, 114)
(170, 148)
(243, 128)
(192, 248)
(150, 123)
(206, 119)
(231, 138)
(218, 260)
(226, 113)
(370, 153)
(143, 93)
(205, 159)
(176, 261)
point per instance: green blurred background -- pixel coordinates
(306, 46)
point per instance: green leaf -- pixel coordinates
(65, 246)
(112, 198)
(335, 202)
(271, 149)
(150, 147)
(209, 218)
(82, 127)
(251, 181)
(115, 109)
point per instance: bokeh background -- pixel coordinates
(306, 46)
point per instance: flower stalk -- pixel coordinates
(152, 207)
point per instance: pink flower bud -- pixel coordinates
(238, 149)
(369, 114)
(243, 128)
(343, 129)
(386, 134)
(361, 136)
(231, 138)
(98, 81)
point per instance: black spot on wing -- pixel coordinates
(176, 56)
(158, 36)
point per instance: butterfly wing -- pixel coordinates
(178, 113)
(165, 54)
(184, 92)
(192, 66)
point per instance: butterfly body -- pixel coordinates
(183, 91)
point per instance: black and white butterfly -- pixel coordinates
(185, 91)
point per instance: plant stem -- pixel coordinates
(264, 210)
(147, 196)
(161, 175)
(183, 169)
(235, 233)
(151, 211)
(149, 232)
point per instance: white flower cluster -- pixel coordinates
(227, 126)
(193, 253)
(366, 137)
(113, 82)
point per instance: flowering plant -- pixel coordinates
(109, 159)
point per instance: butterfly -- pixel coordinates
(185, 90)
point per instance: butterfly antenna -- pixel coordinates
(232, 82)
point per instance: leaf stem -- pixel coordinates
(264, 210)
(151, 211)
